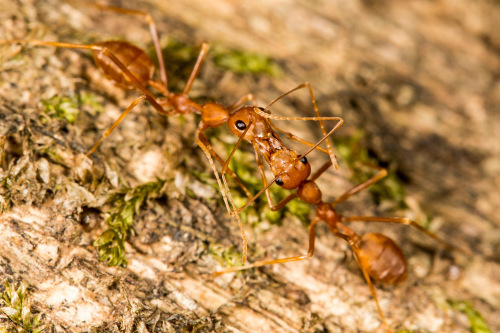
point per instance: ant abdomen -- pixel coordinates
(382, 258)
(132, 57)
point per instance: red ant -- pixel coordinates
(129, 67)
(377, 255)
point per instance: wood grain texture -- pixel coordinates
(420, 78)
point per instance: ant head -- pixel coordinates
(241, 119)
(292, 170)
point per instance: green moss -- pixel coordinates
(62, 107)
(68, 108)
(127, 203)
(90, 100)
(229, 257)
(245, 166)
(246, 62)
(477, 322)
(17, 306)
(180, 58)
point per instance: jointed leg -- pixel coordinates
(239, 210)
(260, 164)
(225, 191)
(381, 174)
(201, 137)
(328, 144)
(293, 137)
(229, 195)
(241, 101)
(397, 220)
(224, 197)
(225, 169)
(316, 145)
(260, 263)
(96, 48)
(196, 68)
(117, 121)
(320, 171)
(317, 118)
(355, 250)
(286, 200)
(146, 94)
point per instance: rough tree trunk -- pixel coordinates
(417, 80)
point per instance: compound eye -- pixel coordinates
(304, 160)
(260, 108)
(279, 181)
(240, 125)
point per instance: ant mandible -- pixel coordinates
(129, 67)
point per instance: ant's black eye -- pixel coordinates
(240, 125)
(279, 181)
(261, 108)
(304, 160)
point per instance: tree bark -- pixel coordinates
(417, 81)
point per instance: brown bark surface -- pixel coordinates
(418, 78)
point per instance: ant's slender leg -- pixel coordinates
(201, 136)
(152, 29)
(224, 197)
(320, 171)
(225, 169)
(226, 192)
(316, 110)
(356, 252)
(260, 164)
(196, 68)
(241, 101)
(146, 94)
(293, 137)
(202, 141)
(328, 144)
(378, 176)
(399, 220)
(266, 186)
(325, 137)
(260, 263)
(117, 121)
(263, 190)
(95, 48)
